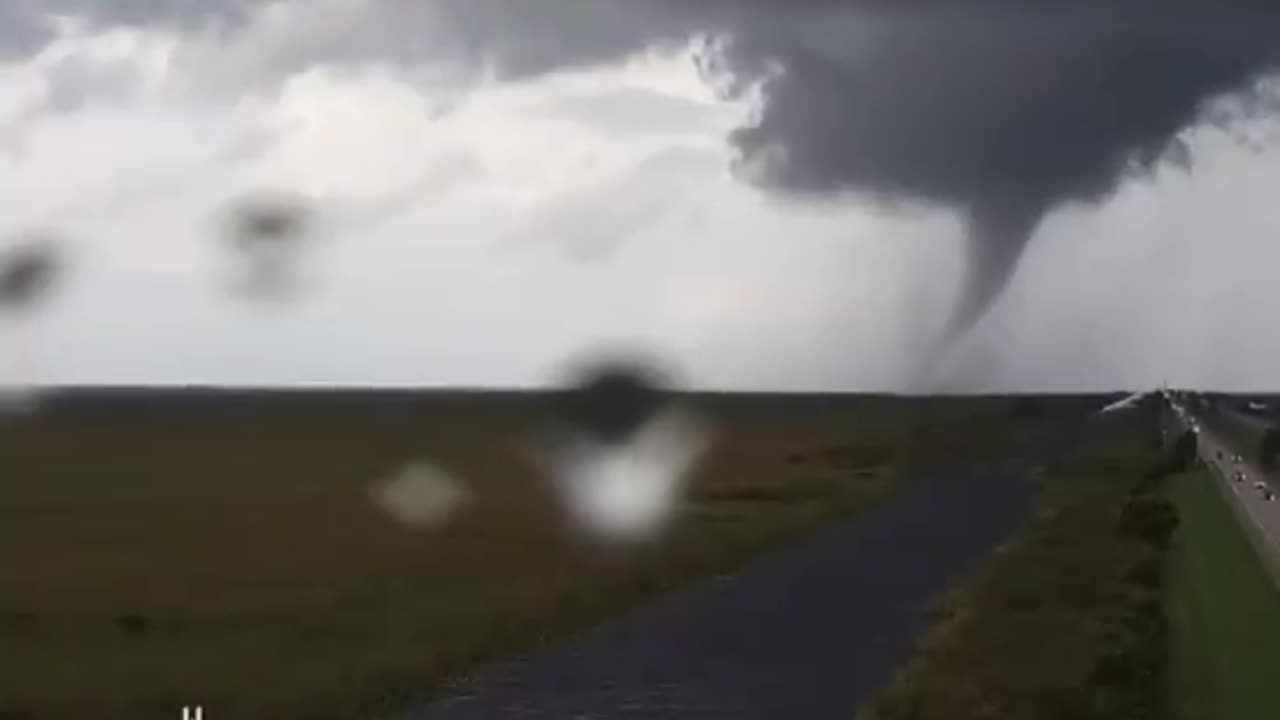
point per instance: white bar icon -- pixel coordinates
(192, 713)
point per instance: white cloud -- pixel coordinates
(481, 229)
(477, 235)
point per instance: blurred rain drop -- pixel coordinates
(267, 235)
(18, 399)
(420, 495)
(629, 493)
(28, 269)
(611, 400)
(620, 451)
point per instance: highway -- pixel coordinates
(1218, 455)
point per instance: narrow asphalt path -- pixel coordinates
(809, 632)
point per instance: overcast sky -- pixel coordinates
(489, 209)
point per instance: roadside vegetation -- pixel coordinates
(1224, 612)
(154, 556)
(1067, 619)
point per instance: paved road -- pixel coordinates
(810, 632)
(1264, 514)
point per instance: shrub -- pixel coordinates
(1149, 517)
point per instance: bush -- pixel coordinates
(1149, 517)
(1181, 456)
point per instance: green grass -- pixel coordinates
(232, 558)
(1066, 619)
(1224, 611)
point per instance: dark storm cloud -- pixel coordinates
(24, 28)
(1000, 110)
(27, 25)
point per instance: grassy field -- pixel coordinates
(157, 552)
(1224, 612)
(1066, 619)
